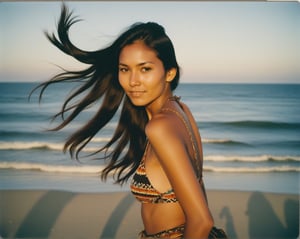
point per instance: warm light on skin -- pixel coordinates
(143, 77)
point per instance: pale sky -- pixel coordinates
(243, 42)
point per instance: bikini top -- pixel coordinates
(144, 191)
(141, 186)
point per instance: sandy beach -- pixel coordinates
(61, 214)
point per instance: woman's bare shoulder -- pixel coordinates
(162, 124)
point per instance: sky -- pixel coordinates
(215, 42)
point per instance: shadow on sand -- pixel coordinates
(40, 220)
(255, 216)
(264, 223)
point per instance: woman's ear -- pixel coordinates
(171, 74)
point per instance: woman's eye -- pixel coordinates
(123, 69)
(145, 69)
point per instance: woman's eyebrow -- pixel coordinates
(140, 64)
(122, 64)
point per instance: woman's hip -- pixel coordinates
(175, 232)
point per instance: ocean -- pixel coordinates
(250, 134)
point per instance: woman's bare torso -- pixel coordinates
(162, 216)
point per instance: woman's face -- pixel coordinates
(142, 75)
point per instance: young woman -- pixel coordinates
(156, 142)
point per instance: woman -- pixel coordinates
(156, 141)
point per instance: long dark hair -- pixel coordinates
(99, 83)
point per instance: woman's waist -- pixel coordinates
(161, 216)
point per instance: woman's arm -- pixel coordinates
(194, 127)
(169, 139)
(197, 135)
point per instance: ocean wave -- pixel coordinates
(86, 169)
(89, 169)
(204, 140)
(223, 141)
(251, 169)
(4, 133)
(21, 116)
(264, 124)
(254, 158)
(100, 140)
(30, 145)
(50, 146)
(253, 124)
(38, 146)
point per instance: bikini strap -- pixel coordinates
(189, 130)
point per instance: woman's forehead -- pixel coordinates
(138, 51)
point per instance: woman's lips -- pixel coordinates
(136, 93)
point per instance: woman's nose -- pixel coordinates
(134, 79)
